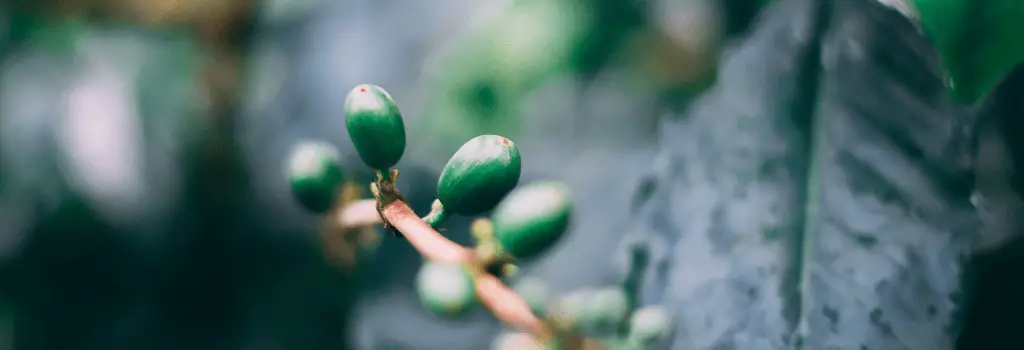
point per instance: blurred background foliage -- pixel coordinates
(143, 198)
(142, 142)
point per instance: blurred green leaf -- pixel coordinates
(480, 83)
(6, 325)
(978, 41)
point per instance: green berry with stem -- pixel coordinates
(605, 311)
(532, 218)
(482, 172)
(445, 289)
(315, 176)
(375, 126)
(567, 311)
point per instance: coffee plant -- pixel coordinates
(482, 176)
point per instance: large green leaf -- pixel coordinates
(817, 196)
(979, 41)
(6, 325)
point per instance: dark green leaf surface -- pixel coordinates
(979, 41)
(995, 305)
(815, 198)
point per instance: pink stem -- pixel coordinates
(431, 244)
(506, 305)
(358, 213)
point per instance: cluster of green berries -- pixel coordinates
(482, 176)
(478, 176)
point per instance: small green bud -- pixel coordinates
(605, 311)
(375, 126)
(532, 218)
(536, 294)
(567, 312)
(479, 175)
(445, 289)
(437, 215)
(315, 176)
(649, 326)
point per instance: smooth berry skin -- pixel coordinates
(479, 175)
(375, 126)
(315, 175)
(445, 289)
(532, 219)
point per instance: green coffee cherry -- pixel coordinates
(536, 294)
(532, 218)
(314, 173)
(445, 289)
(648, 326)
(375, 126)
(479, 175)
(604, 312)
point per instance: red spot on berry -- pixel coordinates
(504, 141)
(362, 89)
